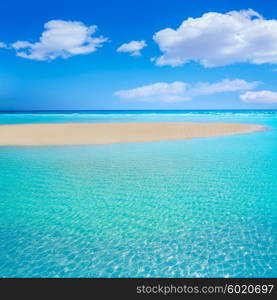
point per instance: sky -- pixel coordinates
(139, 54)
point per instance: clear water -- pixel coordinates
(195, 208)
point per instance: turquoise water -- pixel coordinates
(195, 208)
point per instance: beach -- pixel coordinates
(107, 133)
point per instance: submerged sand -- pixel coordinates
(85, 134)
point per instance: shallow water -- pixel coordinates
(195, 208)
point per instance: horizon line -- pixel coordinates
(136, 110)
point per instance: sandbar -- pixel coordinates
(110, 133)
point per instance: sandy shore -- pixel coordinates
(79, 134)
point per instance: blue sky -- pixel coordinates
(187, 67)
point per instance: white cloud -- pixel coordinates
(163, 91)
(217, 39)
(3, 45)
(260, 97)
(225, 85)
(181, 91)
(61, 39)
(134, 47)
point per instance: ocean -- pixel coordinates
(204, 207)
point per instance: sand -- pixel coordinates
(85, 134)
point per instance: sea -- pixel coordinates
(204, 207)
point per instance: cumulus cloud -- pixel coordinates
(225, 85)
(260, 97)
(3, 45)
(134, 47)
(61, 39)
(217, 39)
(163, 91)
(181, 91)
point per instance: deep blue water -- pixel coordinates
(195, 208)
(135, 116)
